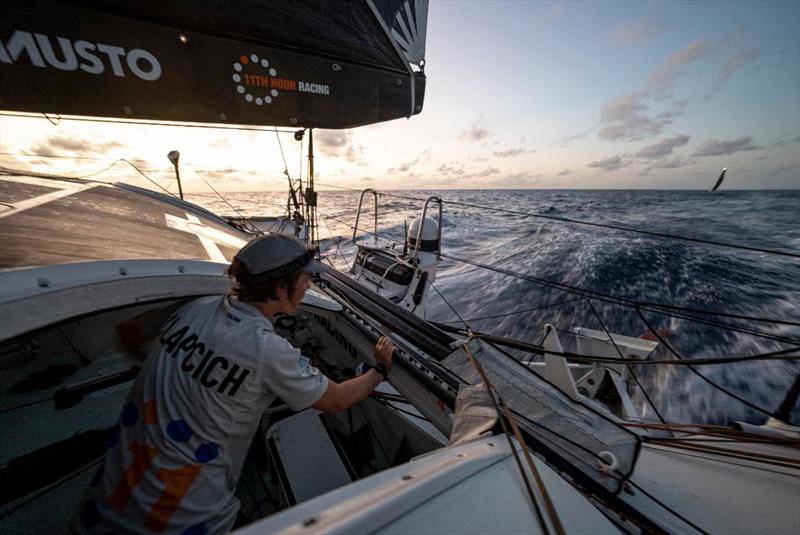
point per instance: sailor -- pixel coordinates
(176, 454)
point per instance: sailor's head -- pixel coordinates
(273, 268)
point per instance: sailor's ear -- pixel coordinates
(282, 292)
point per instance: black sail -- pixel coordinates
(310, 63)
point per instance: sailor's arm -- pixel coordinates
(341, 396)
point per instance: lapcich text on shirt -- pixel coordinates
(181, 343)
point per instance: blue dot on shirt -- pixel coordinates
(129, 415)
(90, 516)
(197, 529)
(206, 452)
(179, 431)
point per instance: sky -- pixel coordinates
(520, 94)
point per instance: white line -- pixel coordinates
(33, 202)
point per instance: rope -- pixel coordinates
(143, 122)
(462, 320)
(548, 305)
(147, 177)
(336, 242)
(627, 366)
(703, 377)
(232, 207)
(698, 361)
(613, 299)
(601, 225)
(509, 416)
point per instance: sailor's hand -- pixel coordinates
(384, 350)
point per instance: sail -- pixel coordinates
(313, 63)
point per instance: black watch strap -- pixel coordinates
(381, 369)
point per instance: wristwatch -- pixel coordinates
(381, 369)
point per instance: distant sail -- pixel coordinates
(719, 181)
(309, 63)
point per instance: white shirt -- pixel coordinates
(176, 455)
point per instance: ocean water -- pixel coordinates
(634, 266)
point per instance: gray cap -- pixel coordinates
(273, 256)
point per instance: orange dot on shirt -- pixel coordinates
(150, 413)
(245, 60)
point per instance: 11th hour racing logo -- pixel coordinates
(258, 81)
(66, 55)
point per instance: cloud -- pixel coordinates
(56, 145)
(633, 33)
(489, 171)
(625, 117)
(663, 147)
(517, 179)
(783, 141)
(515, 151)
(666, 163)
(565, 141)
(406, 167)
(455, 170)
(565, 172)
(784, 169)
(609, 164)
(712, 147)
(339, 144)
(733, 63)
(630, 117)
(662, 80)
(478, 132)
(450, 170)
(223, 175)
(762, 157)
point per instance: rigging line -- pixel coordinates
(232, 207)
(774, 460)
(507, 433)
(549, 305)
(604, 225)
(723, 461)
(617, 300)
(57, 122)
(336, 242)
(621, 301)
(103, 170)
(721, 314)
(627, 366)
(703, 377)
(147, 177)
(790, 442)
(698, 361)
(138, 122)
(337, 187)
(721, 325)
(668, 508)
(398, 409)
(692, 428)
(462, 320)
(138, 160)
(285, 166)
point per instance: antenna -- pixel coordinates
(174, 156)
